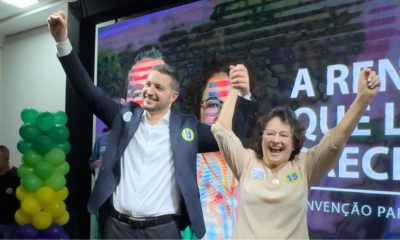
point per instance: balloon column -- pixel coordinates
(42, 192)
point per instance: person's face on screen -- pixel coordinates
(277, 142)
(137, 78)
(214, 95)
(158, 93)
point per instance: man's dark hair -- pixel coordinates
(168, 70)
(286, 115)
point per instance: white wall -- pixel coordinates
(31, 76)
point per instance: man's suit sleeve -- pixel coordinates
(95, 155)
(207, 142)
(244, 118)
(99, 103)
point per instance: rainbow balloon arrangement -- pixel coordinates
(42, 192)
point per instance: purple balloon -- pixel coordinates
(55, 231)
(27, 231)
(65, 236)
(40, 236)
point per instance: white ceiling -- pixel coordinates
(14, 20)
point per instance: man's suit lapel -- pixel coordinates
(134, 123)
(174, 131)
(132, 120)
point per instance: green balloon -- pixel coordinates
(56, 181)
(31, 158)
(63, 169)
(45, 121)
(58, 133)
(29, 132)
(43, 170)
(28, 115)
(31, 182)
(24, 146)
(65, 146)
(43, 144)
(60, 118)
(55, 156)
(24, 170)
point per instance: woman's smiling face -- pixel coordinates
(277, 142)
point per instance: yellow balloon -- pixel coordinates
(30, 206)
(44, 196)
(21, 193)
(56, 208)
(21, 217)
(63, 219)
(41, 220)
(62, 194)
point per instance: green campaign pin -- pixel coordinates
(188, 134)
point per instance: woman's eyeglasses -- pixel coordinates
(211, 103)
(283, 136)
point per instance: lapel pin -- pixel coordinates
(127, 116)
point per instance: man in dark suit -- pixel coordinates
(148, 170)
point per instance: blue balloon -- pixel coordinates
(65, 236)
(27, 231)
(55, 231)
